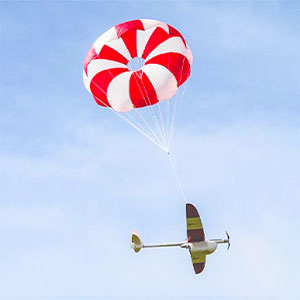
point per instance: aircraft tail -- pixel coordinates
(136, 242)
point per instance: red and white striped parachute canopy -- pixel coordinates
(114, 81)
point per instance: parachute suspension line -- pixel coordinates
(135, 126)
(168, 120)
(131, 121)
(162, 124)
(149, 112)
(177, 178)
(168, 110)
(172, 129)
(147, 124)
(134, 121)
(172, 119)
(152, 114)
(168, 115)
(175, 115)
(139, 130)
(159, 128)
(163, 131)
(117, 113)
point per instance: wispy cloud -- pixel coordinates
(75, 180)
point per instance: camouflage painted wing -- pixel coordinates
(195, 232)
(198, 259)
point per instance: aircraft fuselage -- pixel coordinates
(195, 242)
(206, 247)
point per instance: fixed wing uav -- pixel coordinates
(196, 243)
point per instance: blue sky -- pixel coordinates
(75, 179)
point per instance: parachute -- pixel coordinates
(132, 68)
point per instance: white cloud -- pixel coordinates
(75, 181)
(67, 220)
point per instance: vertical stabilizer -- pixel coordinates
(136, 242)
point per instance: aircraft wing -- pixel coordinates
(198, 259)
(195, 232)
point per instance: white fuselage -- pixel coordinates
(206, 247)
